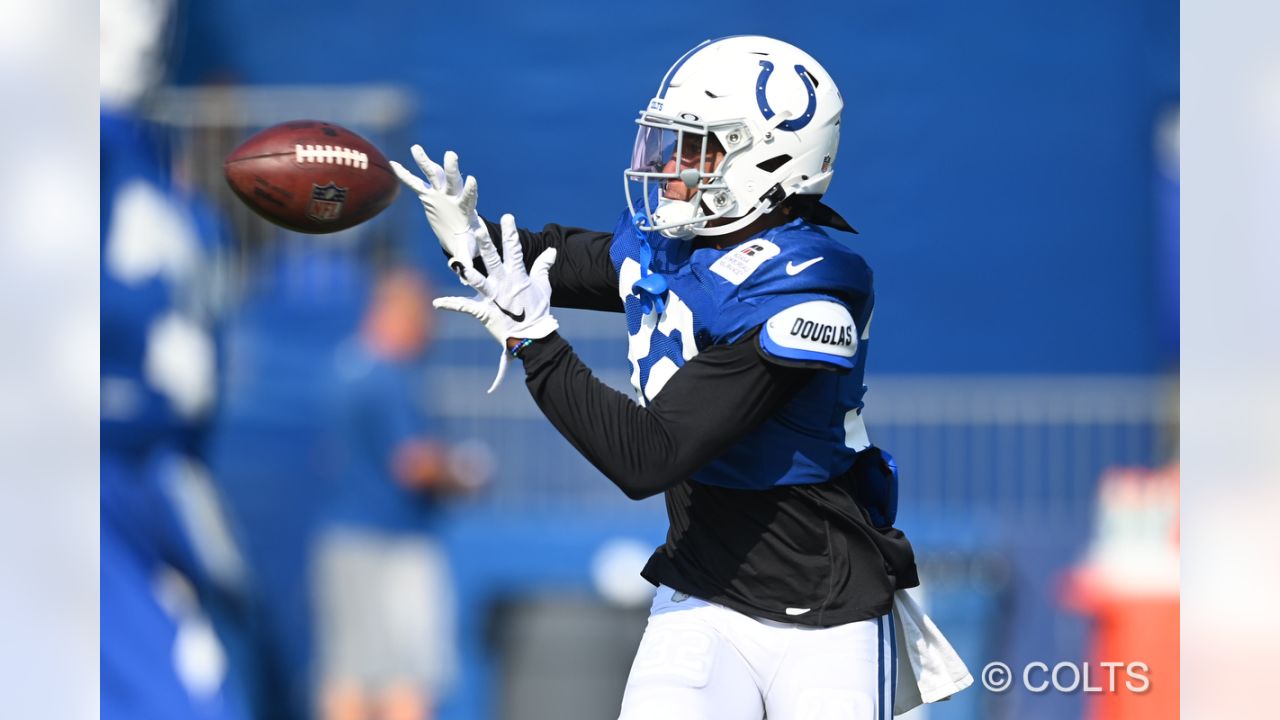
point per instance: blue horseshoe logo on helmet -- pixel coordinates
(766, 69)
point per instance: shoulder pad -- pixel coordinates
(818, 331)
(808, 262)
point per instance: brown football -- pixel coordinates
(311, 176)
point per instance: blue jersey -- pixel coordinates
(158, 356)
(158, 383)
(812, 299)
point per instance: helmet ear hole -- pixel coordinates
(773, 163)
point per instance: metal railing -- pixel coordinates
(1014, 449)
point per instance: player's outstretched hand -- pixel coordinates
(511, 302)
(450, 205)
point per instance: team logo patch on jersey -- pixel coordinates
(326, 201)
(738, 264)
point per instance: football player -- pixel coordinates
(748, 327)
(170, 597)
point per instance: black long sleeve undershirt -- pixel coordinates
(583, 276)
(714, 400)
(765, 553)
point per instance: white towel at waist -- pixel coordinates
(929, 670)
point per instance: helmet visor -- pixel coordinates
(654, 146)
(658, 148)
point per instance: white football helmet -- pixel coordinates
(772, 108)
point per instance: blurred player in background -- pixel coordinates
(160, 655)
(748, 328)
(384, 618)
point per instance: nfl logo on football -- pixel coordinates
(326, 201)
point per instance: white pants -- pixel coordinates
(699, 661)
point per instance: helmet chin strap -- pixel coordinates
(681, 210)
(734, 226)
(765, 205)
(678, 211)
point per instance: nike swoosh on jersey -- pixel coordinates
(513, 316)
(793, 269)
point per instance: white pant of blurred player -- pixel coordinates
(699, 661)
(384, 612)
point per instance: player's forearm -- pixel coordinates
(583, 276)
(711, 403)
(627, 443)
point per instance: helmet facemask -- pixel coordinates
(670, 150)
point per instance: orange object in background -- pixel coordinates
(1128, 585)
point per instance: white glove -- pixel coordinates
(450, 205)
(511, 302)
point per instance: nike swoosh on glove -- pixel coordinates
(450, 205)
(511, 302)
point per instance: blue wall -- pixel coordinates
(996, 154)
